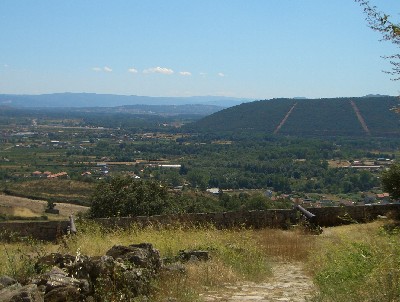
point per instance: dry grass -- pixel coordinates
(62, 189)
(25, 207)
(18, 259)
(282, 245)
(236, 255)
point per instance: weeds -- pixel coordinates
(358, 263)
(19, 258)
(236, 255)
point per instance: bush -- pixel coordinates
(125, 196)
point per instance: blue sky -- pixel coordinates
(257, 49)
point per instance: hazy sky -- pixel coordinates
(244, 48)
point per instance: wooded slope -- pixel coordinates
(315, 117)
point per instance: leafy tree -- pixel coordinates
(390, 31)
(125, 196)
(198, 179)
(391, 180)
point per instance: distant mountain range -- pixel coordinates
(110, 100)
(365, 116)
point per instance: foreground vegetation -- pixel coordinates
(357, 262)
(236, 255)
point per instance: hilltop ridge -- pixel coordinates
(110, 100)
(316, 117)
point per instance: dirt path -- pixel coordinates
(360, 118)
(288, 283)
(284, 119)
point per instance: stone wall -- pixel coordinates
(41, 230)
(255, 219)
(327, 216)
(333, 216)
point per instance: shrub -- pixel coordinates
(125, 196)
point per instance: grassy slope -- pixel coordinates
(60, 190)
(24, 207)
(357, 263)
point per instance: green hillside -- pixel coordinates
(377, 114)
(315, 117)
(323, 117)
(255, 116)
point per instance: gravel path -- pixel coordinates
(288, 283)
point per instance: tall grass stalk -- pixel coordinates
(357, 263)
(18, 259)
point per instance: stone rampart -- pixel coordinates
(279, 218)
(41, 230)
(333, 216)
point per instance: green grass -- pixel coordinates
(358, 263)
(18, 255)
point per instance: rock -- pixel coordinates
(43, 279)
(176, 267)
(54, 259)
(194, 255)
(56, 271)
(138, 282)
(5, 292)
(141, 255)
(6, 281)
(58, 278)
(103, 265)
(83, 268)
(129, 270)
(64, 294)
(28, 293)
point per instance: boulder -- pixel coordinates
(6, 281)
(18, 293)
(64, 294)
(127, 271)
(58, 286)
(141, 255)
(193, 255)
(54, 259)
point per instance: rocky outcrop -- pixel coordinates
(125, 271)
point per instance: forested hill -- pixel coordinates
(316, 117)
